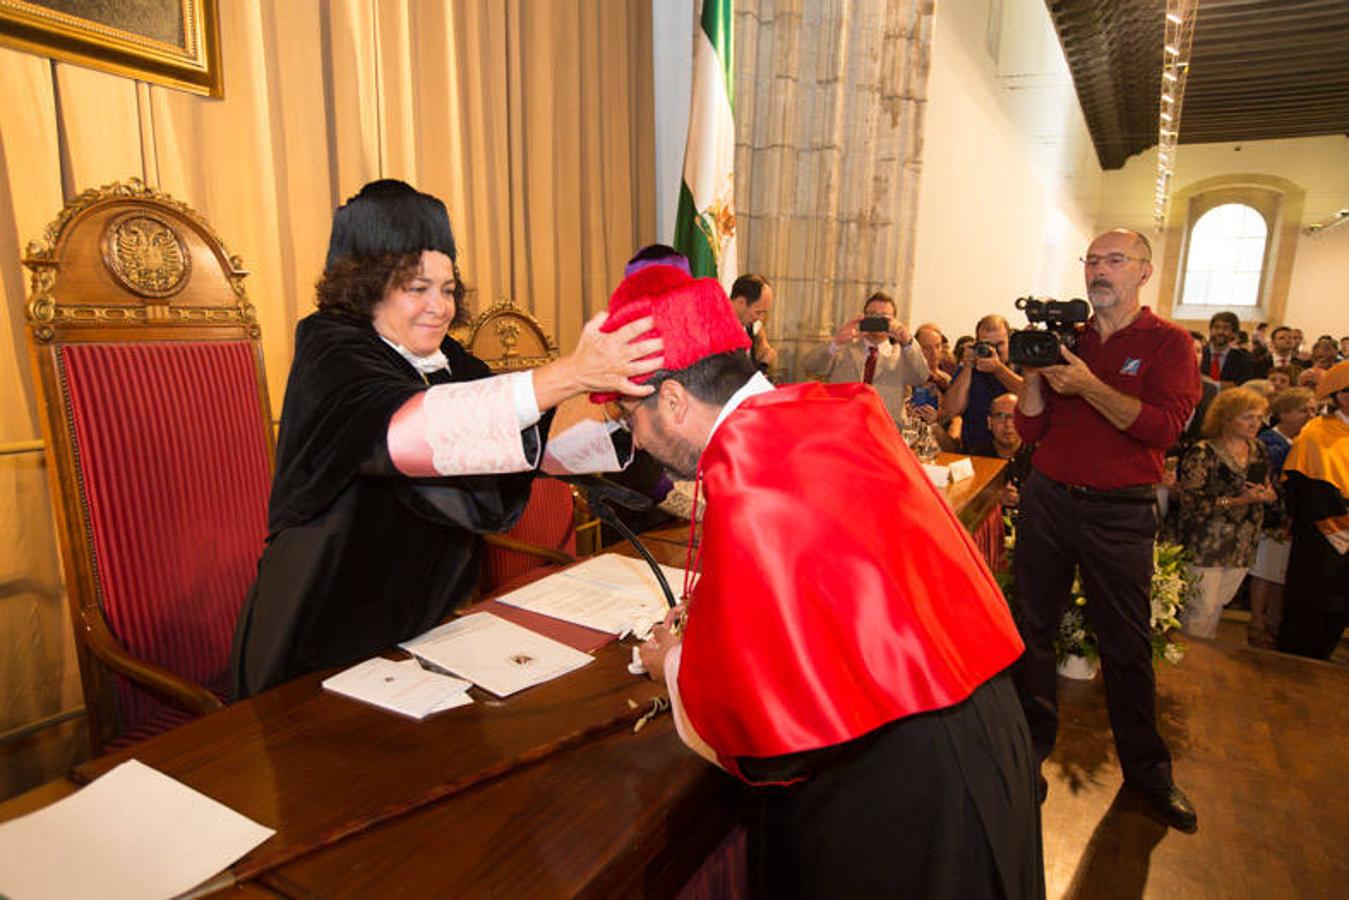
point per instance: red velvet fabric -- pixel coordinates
(173, 459)
(548, 521)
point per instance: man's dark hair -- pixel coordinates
(1229, 317)
(654, 251)
(1198, 337)
(881, 297)
(712, 379)
(749, 287)
(1278, 330)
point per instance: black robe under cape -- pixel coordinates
(359, 556)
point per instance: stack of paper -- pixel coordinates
(610, 593)
(401, 687)
(494, 654)
(132, 833)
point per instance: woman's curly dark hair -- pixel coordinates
(352, 286)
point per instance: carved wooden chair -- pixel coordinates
(557, 524)
(159, 447)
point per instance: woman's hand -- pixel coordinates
(601, 362)
(1260, 493)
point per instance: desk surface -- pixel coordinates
(549, 791)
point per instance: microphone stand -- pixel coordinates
(599, 495)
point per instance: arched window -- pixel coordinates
(1225, 258)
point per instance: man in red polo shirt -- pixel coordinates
(1102, 420)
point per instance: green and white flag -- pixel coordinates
(705, 226)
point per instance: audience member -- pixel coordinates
(752, 299)
(1260, 337)
(1310, 377)
(1301, 356)
(1007, 444)
(1282, 349)
(1316, 492)
(1344, 347)
(889, 360)
(1223, 361)
(1281, 378)
(1102, 423)
(983, 375)
(1194, 427)
(1290, 410)
(1325, 352)
(1224, 485)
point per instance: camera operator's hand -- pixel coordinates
(1071, 378)
(898, 333)
(1010, 496)
(848, 333)
(989, 364)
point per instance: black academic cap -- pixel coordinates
(389, 216)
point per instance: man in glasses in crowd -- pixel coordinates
(1101, 421)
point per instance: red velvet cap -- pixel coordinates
(692, 315)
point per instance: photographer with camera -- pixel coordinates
(1102, 419)
(983, 375)
(874, 348)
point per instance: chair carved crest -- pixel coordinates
(137, 270)
(508, 338)
(156, 419)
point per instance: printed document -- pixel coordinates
(610, 593)
(401, 687)
(134, 832)
(496, 655)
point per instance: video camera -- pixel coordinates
(1053, 324)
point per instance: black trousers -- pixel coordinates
(1110, 544)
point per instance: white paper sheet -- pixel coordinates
(134, 833)
(398, 687)
(610, 593)
(494, 654)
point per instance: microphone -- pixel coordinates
(599, 488)
(600, 493)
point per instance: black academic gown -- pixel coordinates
(358, 556)
(1316, 588)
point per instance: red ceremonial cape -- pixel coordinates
(839, 591)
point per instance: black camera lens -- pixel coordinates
(983, 349)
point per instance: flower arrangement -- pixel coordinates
(1172, 584)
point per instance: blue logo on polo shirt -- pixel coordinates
(1130, 366)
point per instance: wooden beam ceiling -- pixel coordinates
(1259, 69)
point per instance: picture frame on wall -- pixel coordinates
(175, 43)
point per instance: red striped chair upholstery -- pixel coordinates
(159, 447)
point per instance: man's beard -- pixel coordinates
(1101, 293)
(677, 455)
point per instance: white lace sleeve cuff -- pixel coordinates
(466, 428)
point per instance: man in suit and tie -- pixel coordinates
(1223, 361)
(887, 358)
(1282, 352)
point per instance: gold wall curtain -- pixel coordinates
(532, 119)
(829, 98)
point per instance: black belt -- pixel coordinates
(1137, 493)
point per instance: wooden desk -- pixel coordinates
(548, 792)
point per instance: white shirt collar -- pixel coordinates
(756, 385)
(424, 364)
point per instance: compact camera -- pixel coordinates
(984, 350)
(1053, 324)
(874, 324)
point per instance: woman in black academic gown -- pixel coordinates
(397, 448)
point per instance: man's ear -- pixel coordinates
(673, 399)
(1147, 272)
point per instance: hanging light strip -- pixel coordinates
(1180, 16)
